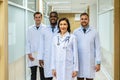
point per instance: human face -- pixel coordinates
(84, 20)
(38, 19)
(63, 26)
(53, 19)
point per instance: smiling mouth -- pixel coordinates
(83, 22)
(62, 29)
(52, 20)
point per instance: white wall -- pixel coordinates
(93, 15)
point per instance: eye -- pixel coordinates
(82, 19)
(60, 24)
(65, 24)
(86, 19)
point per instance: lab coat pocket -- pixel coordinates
(35, 54)
(35, 62)
(69, 57)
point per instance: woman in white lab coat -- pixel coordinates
(64, 53)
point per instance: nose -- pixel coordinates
(62, 25)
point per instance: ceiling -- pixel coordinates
(70, 6)
(74, 6)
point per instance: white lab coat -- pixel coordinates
(88, 51)
(32, 41)
(64, 56)
(47, 37)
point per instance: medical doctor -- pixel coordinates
(64, 53)
(47, 36)
(32, 41)
(88, 49)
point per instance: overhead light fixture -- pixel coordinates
(59, 2)
(59, 9)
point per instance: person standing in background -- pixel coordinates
(32, 41)
(47, 36)
(64, 53)
(88, 49)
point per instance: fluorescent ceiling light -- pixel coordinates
(58, 9)
(59, 2)
(62, 6)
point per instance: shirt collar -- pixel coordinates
(36, 28)
(67, 34)
(87, 28)
(56, 28)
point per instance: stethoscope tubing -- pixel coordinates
(66, 40)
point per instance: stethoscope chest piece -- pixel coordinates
(58, 44)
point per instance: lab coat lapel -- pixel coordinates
(55, 30)
(88, 30)
(64, 38)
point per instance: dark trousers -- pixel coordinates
(89, 79)
(83, 79)
(34, 73)
(50, 78)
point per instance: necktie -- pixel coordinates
(37, 27)
(53, 29)
(84, 30)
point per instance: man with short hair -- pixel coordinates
(88, 49)
(32, 42)
(47, 35)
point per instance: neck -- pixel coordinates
(53, 25)
(37, 25)
(85, 26)
(62, 33)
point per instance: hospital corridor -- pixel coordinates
(17, 15)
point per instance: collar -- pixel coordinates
(87, 29)
(36, 28)
(51, 26)
(64, 37)
(55, 29)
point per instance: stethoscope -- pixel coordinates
(65, 41)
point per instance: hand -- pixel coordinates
(54, 73)
(97, 67)
(74, 74)
(30, 57)
(41, 62)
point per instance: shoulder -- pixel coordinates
(30, 28)
(72, 36)
(46, 27)
(55, 38)
(43, 25)
(76, 30)
(94, 29)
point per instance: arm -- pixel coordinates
(28, 46)
(97, 52)
(53, 59)
(75, 57)
(41, 50)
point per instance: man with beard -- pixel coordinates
(88, 49)
(47, 35)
